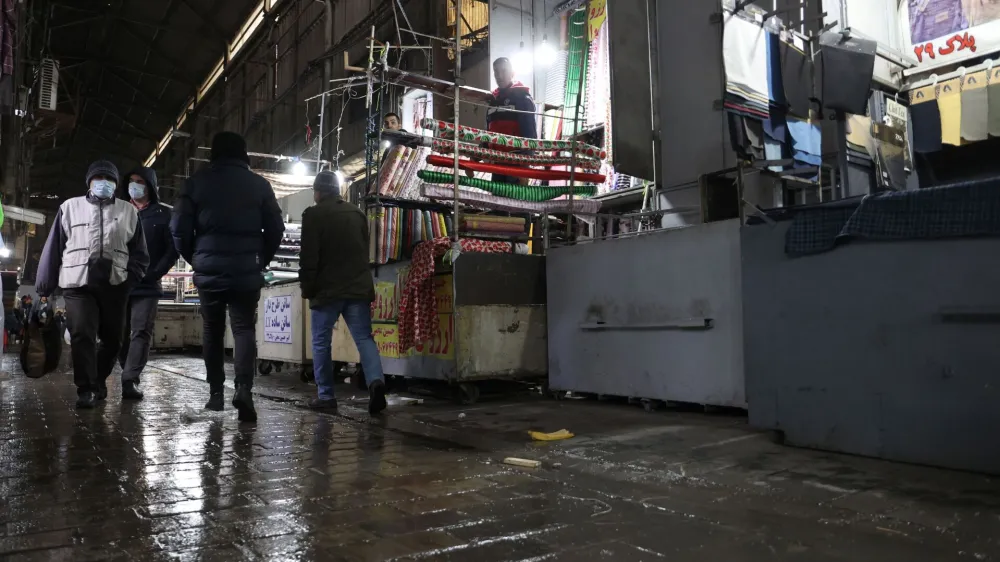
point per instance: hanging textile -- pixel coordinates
(950, 103)
(576, 70)
(509, 190)
(418, 317)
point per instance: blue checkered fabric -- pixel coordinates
(959, 210)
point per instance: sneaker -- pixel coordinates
(323, 404)
(216, 402)
(376, 397)
(86, 401)
(243, 402)
(130, 391)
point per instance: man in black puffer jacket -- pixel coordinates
(141, 190)
(228, 226)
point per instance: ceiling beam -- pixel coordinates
(97, 15)
(111, 63)
(209, 22)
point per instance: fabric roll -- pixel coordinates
(796, 79)
(744, 49)
(950, 104)
(775, 90)
(993, 102)
(975, 114)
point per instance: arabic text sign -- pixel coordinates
(278, 319)
(949, 31)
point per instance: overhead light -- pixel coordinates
(340, 176)
(386, 144)
(522, 62)
(4, 252)
(299, 169)
(546, 53)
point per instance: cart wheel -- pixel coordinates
(468, 392)
(278, 365)
(306, 373)
(264, 367)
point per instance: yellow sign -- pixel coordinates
(443, 294)
(443, 343)
(598, 13)
(384, 307)
(387, 339)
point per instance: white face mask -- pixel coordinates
(136, 190)
(102, 189)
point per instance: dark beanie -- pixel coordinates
(327, 183)
(229, 145)
(102, 168)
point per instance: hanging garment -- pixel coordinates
(744, 50)
(776, 92)
(950, 104)
(975, 108)
(806, 140)
(926, 118)
(755, 138)
(845, 72)
(418, 314)
(859, 133)
(796, 79)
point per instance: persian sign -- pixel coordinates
(940, 32)
(278, 319)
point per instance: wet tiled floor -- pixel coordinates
(161, 480)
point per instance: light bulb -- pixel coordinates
(546, 53)
(522, 62)
(299, 169)
(4, 252)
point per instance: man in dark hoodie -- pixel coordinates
(96, 253)
(512, 111)
(142, 191)
(228, 226)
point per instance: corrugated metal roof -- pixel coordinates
(128, 69)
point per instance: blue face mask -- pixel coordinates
(136, 190)
(102, 189)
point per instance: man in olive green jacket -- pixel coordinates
(337, 280)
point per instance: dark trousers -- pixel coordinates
(140, 318)
(92, 313)
(243, 318)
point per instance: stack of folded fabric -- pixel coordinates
(491, 225)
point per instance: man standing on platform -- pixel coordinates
(228, 226)
(512, 111)
(337, 279)
(144, 300)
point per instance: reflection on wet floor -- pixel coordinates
(145, 482)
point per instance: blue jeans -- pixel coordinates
(358, 316)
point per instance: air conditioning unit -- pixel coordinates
(48, 93)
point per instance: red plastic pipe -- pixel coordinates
(514, 171)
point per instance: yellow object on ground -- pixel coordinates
(555, 436)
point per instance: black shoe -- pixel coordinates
(376, 397)
(130, 391)
(216, 402)
(85, 401)
(243, 402)
(101, 394)
(323, 405)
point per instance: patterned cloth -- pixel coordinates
(479, 136)
(483, 200)
(500, 157)
(965, 209)
(508, 190)
(418, 316)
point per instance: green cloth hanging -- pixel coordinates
(576, 69)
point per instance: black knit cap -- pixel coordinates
(327, 183)
(102, 168)
(229, 145)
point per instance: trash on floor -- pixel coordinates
(191, 415)
(526, 463)
(554, 436)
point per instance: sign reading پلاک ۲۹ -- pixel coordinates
(278, 319)
(941, 32)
